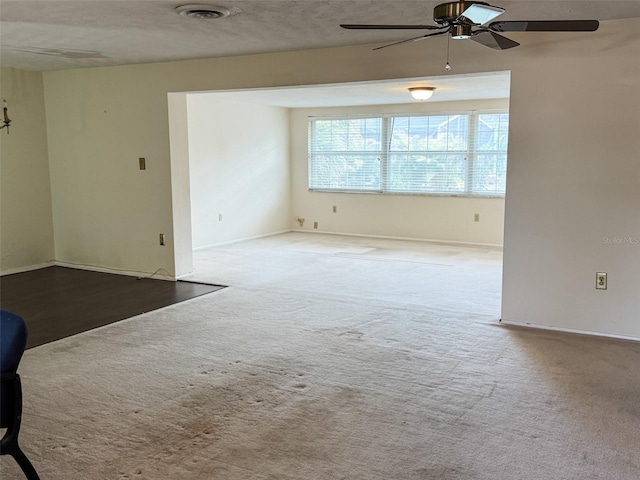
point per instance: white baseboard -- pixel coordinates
(237, 240)
(387, 237)
(131, 273)
(28, 268)
(569, 330)
(92, 268)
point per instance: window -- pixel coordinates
(455, 154)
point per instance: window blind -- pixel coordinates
(345, 154)
(448, 154)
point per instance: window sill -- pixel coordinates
(406, 194)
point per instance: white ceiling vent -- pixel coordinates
(206, 12)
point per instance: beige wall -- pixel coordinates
(107, 213)
(573, 172)
(26, 227)
(239, 168)
(408, 216)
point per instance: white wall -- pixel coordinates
(574, 117)
(239, 168)
(181, 238)
(407, 216)
(573, 181)
(26, 227)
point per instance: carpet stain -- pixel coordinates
(242, 417)
(352, 334)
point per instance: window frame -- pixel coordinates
(471, 153)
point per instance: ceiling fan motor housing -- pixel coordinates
(446, 13)
(461, 32)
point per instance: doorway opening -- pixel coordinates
(242, 160)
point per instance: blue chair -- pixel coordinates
(13, 340)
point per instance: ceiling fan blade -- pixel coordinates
(493, 40)
(480, 14)
(546, 26)
(349, 26)
(413, 39)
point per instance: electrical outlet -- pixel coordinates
(162, 239)
(335, 209)
(142, 162)
(219, 217)
(315, 225)
(476, 217)
(601, 281)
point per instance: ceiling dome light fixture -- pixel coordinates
(422, 93)
(205, 12)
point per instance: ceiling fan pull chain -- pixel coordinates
(447, 66)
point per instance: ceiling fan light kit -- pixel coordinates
(470, 20)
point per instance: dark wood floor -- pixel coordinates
(58, 302)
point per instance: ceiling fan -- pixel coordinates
(470, 20)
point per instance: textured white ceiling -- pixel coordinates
(62, 34)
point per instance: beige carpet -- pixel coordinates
(313, 365)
